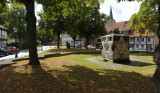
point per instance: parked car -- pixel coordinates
(133, 49)
(3, 52)
(77, 46)
(11, 49)
(91, 47)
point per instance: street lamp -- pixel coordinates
(15, 31)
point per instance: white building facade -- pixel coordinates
(66, 38)
(143, 43)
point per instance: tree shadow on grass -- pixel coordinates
(85, 80)
(36, 80)
(75, 79)
(136, 63)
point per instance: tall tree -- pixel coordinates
(148, 17)
(61, 10)
(92, 25)
(31, 31)
(72, 29)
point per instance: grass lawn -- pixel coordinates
(65, 50)
(74, 74)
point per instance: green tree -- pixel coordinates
(59, 12)
(92, 25)
(57, 25)
(31, 30)
(72, 29)
(2, 9)
(14, 16)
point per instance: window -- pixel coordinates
(142, 46)
(137, 39)
(142, 39)
(131, 45)
(149, 39)
(132, 39)
(137, 46)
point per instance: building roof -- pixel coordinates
(2, 27)
(134, 33)
(122, 26)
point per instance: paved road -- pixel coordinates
(25, 52)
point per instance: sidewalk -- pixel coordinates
(7, 60)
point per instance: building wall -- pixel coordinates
(143, 43)
(66, 38)
(3, 38)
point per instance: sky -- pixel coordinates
(38, 8)
(121, 11)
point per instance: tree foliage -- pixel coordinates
(92, 25)
(14, 16)
(146, 18)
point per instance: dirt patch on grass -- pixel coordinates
(110, 65)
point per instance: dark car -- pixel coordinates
(11, 49)
(3, 52)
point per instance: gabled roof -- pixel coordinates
(2, 27)
(122, 26)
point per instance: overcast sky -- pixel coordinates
(121, 11)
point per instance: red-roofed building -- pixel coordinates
(146, 42)
(3, 36)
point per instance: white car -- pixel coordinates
(91, 47)
(133, 49)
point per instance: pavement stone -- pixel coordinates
(6, 62)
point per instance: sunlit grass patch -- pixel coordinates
(65, 50)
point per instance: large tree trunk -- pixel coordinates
(31, 32)
(156, 76)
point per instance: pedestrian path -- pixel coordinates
(8, 59)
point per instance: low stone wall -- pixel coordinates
(52, 55)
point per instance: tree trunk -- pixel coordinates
(58, 34)
(156, 76)
(87, 42)
(74, 40)
(31, 32)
